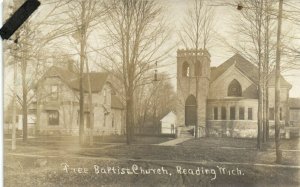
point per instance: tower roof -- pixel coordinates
(192, 52)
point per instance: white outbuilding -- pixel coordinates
(168, 123)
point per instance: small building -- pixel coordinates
(168, 123)
(8, 119)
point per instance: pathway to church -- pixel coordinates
(175, 141)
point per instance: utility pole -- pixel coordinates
(277, 86)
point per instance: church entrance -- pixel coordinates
(190, 111)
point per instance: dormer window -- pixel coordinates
(185, 69)
(234, 89)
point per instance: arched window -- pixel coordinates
(234, 89)
(190, 101)
(198, 69)
(185, 69)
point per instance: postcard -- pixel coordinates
(151, 93)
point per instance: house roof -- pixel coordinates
(294, 103)
(116, 103)
(98, 79)
(249, 69)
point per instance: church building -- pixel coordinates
(223, 100)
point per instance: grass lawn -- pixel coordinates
(209, 152)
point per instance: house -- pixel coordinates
(294, 106)
(168, 123)
(57, 103)
(226, 96)
(8, 120)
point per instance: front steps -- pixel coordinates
(186, 131)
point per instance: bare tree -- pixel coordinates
(153, 100)
(257, 43)
(29, 41)
(277, 86)
(197, 32)
(82, 17)
(137, 32)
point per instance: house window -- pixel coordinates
(223, 113)
(250, 114)
(198, 69)
(215, 113)
(185, 69)
(241, 113)
(53, 117)
(112, 120)
(54, 91)
(232, 113)
(234, 89)
(271, 114)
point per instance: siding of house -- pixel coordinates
(67, 106)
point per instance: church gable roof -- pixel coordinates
(246, 67)
(243, 65)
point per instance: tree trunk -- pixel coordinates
(81, 99)
(24, 101)
(129, 115)
(277, 87)
(259, 119)
(266, 73)
(13, 143)
(91, 116)
(260, 95)
(267, 114)
(264, 119)
(197, 121)
(82, 56)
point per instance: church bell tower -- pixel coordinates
(193, 75)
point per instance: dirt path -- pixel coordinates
(174, 142)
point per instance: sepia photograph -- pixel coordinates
(153, 93)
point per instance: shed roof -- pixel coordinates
(170, 116)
